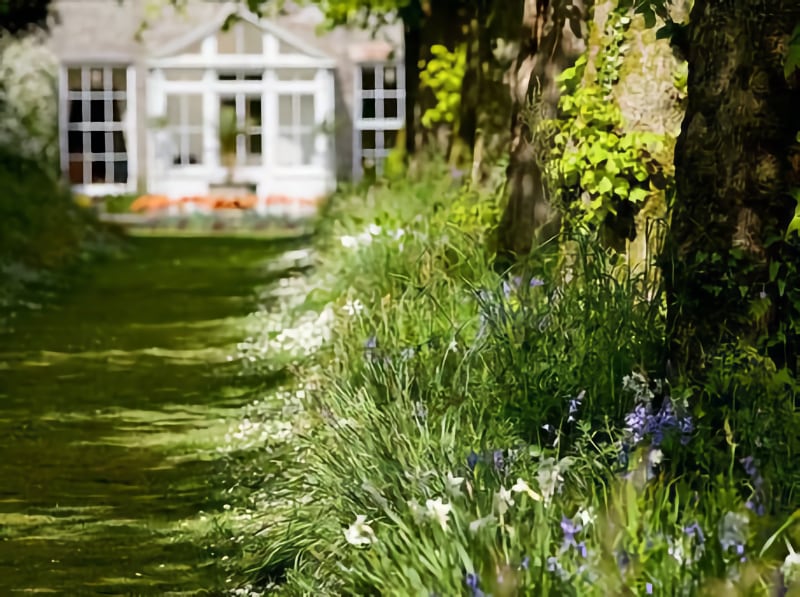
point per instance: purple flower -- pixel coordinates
(471, 580)
(570, 528)
(525, 564)
(536, 282)
(498, 461)
(648, 588)
(574, 405)
(641, 422)
(371, 343)
(695, 531)
(506, 289)
(472, 460)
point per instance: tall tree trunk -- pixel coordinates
(551, 40)
(736, 160)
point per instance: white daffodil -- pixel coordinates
(439, 511)
(479, 523)
(791, 568)
(503, 500)
(360, 533)
(349, 242)
(522, 487)
(353, 307)
(454, 483)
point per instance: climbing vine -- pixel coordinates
(596, 167)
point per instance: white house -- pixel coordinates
(140, 107)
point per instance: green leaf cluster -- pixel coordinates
(596, 164)
(442, 74)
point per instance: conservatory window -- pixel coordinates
(96, 104)
(379, 114)
(185, 125)
(245, 110)
(296, 129)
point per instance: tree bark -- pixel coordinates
(736, 160)
(551, 40)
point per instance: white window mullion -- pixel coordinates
(130, 131)
(211, 101)
(269, 115)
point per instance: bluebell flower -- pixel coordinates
(536, 282)
(472, 460)
(371, 343)
(695, 531)
(574, 405)
(570, 528)
(525, 564)
(648, 588)
(756, 502)
(498, 461)
(472, 581)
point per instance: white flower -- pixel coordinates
(791, 568)
(453, 346)
(360, 533)
(398, 234)
(438, 511)
(503, 500)
(655, 457)
(479, 523)
(349, 242)
(353, 307)
(585, 516)
(522, 487)
(454, 483)
(549, 478)
(374, 229)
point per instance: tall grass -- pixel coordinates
(468, 431)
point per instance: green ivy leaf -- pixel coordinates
(637, 195)
(792, 61)
(605, 185)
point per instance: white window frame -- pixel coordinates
(378, 124)
(127, 127)
(180, 132)
(296, 129)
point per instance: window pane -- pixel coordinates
(390, 139)
(96, 79)
(76, 171)
(98, 142)
(367, 108)
(368, 139)
(390, 78)
(253, 76)
(75, 111)
(173, 110)
(121, 171)
(74, 142)
(119, 142)
(226, 76)
(98, 171)
(307, 110)
(184, 74)
(285, 110)
(97, 110)
(296, 74)
(194, 110)
(390, 108)
(120, 79)
(118, 110)
(254, 144)
(74, 79)
(195, 149)
(253, 111)
(368, 78)
(306, 147)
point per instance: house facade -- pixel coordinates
(191, 101)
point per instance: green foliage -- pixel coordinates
(435, 356)
(443, 75)
(596, 165)
(792, 60)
